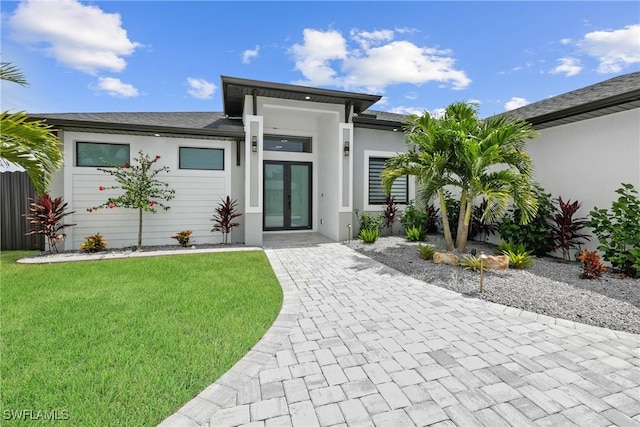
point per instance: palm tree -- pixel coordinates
(479, 157)
(31, 145)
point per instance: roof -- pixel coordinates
(617, 94)
(178, 123)
(372, 119)
(235, 89)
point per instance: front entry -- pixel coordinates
(287, 196)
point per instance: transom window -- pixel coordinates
(377, 196)
(295, 144)
(92, 154)
(201, 158)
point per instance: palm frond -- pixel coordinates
(11, 73)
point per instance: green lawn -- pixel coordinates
(129, 341)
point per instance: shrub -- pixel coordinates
(368, 221)
(592, 267)
(471, 262)
(369, 235)
(509, 246)
(183, 237)
(415, 234)
(478, 226)
(47, 215)
(426, 251)
(453, 212)
(564, 229)
(519, 260)
(390, 213)
(432, 219)
(226, 212)
(412, 216)
(534, 235)
(618, 231)
(93, 243)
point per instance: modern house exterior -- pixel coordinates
(302, 159)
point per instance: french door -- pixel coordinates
(287, 195)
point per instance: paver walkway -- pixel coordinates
(359, 344)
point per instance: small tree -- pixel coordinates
(390, 213)
(226, 212)
(142, 191)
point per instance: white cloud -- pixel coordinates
(474, 101)
(408, 110)
(565, 41)
(411, 95)
(115, 87)
(249, 54)
(515, 102)
(373, 62)
(79, 36)
(568, 66)
(200, 88)
(614, 49)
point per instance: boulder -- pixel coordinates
(446, 258)
(496, 262)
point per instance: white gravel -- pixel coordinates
(549, 287)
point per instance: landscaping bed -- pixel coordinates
(550, 287)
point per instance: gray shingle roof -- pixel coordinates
(619, 90)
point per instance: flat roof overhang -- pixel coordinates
(235, 89)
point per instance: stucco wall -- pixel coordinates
(198, 192)
(588, 160)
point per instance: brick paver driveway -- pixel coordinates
(359, 344)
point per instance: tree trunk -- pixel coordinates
(139, 228)
(464, 233)
(448, 240)
(461, 215)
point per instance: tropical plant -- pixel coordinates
(471, 262)
(142, 191)
(432, 220)
(519, 260)
(93, 243)
(618, 231)
(535, 234)
(368, 221)
(412, 216)
(453, 211)
(478, 225)
(369, 235)
(479, 157)
(390, 213)
(415, 234)
(592, 267)
(29, 144)
(226, 212)
(183, 237)
(564, 229)
(509, 246)
(426, 251)
(47, 214)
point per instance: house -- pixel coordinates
(302, 159)
(296, 159)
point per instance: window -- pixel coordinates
(94, 154)
(293, 144)
(377, 195)
(201, 158)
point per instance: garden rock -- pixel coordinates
(446, 258)
(496, 262)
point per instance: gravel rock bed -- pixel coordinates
(549, 287)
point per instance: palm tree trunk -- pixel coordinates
(462, 214)
(139, 228)
(448, 239)
(464, 233)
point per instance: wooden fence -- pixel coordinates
(15, 192)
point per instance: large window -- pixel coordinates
(94, 154)
(377, 196)
(202, 158)
(293, 144)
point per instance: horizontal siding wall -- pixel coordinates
(197, 194)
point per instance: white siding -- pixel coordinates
(197, 194)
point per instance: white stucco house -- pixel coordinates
(302, 159)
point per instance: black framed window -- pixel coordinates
(201, 158)
(377, 196)
(293, 144)
(98, 154)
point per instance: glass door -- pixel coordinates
(287, 195)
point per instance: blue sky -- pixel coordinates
(419, 55)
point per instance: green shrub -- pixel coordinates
(412, 216)
(453, 212)
(519, 260)
(415, 234)
(93, 243)
(426, 251)
(368, 221)
(534, 235)
(471, 262)
(618, 231)
(509, 246)
(183, 237)
(369, 236)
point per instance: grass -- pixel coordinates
(127, 342)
